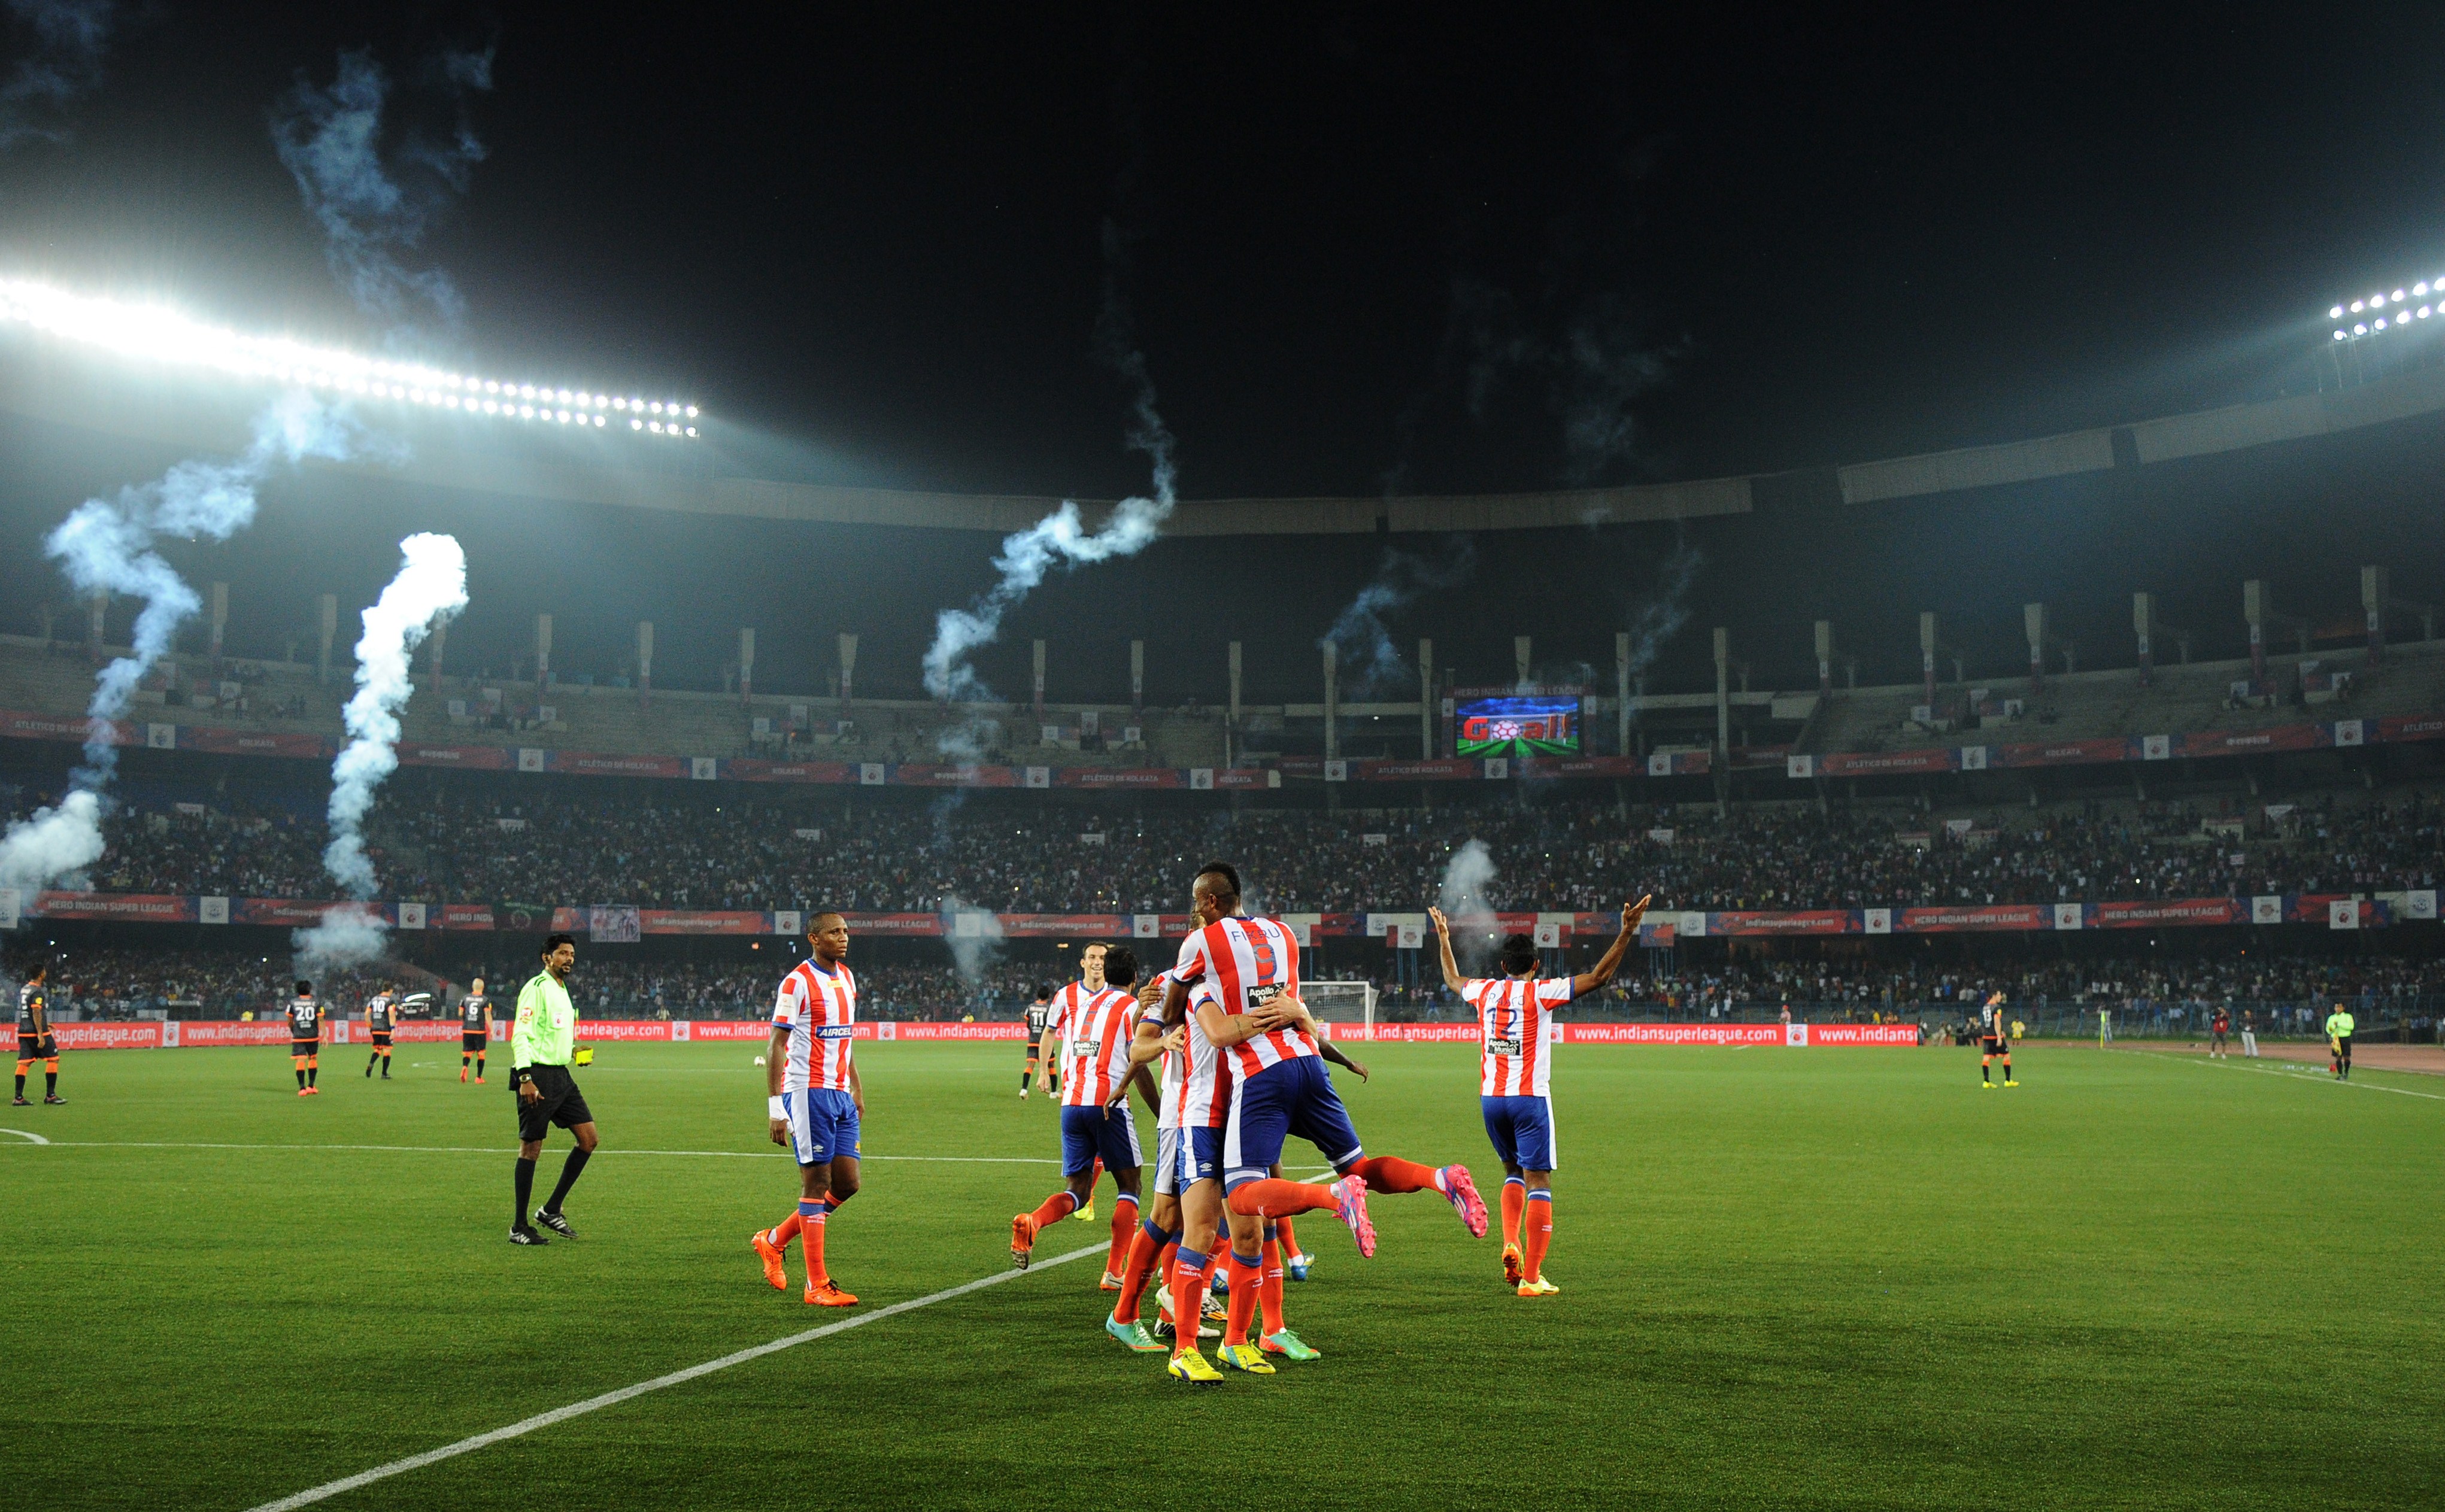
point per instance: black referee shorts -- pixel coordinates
(561, 1102)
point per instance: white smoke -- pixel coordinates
(1365, 659)
(1467, 899)
(69, 40)
(1656, 618)
(1059, 538)
(431, 586)
(971, 953)
(375, 208)
(107, 547)
(350, 935)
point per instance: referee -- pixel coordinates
(540, 1046)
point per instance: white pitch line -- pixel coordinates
(31, 1139)
(500, 1149)
(596, 1404)
(2309, 1074)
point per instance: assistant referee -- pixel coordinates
(541, 1045)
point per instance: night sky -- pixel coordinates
(1403, 250)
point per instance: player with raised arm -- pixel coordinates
(1994, 1040)
(2220, 1033)
(306, 1038)
(382, 1019)
(1097, 1018)
(35, 1038)
(474, 1030)
(815, 1103)
(1514, 1017)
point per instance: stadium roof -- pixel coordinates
(66, 388)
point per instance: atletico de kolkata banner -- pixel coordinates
(760, 769)
(2061, 753)
(254, 742)
(2246, 742)
(1451, 769)
(1875, 763)
(1120, 778)
(604, 764)
(2411, 727)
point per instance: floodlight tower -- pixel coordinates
(2149, 627)
(2393, 325)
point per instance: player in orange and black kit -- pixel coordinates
(2218, 1028)
(35, 1040)
(306, 1038)
(382, 1017)
(1994, 1040)
(474, 1030)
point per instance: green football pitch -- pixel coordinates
(1833, 1278)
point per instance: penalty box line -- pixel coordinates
(596, 1404)
(2307, 1073)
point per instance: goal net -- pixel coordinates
(1341, 1002)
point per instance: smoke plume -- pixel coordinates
(69, 40)
(431, 586)
(971, 954)
(1467, 899)
(1365, 657)
(374, 207)
(350, 935)
(107, 547)
(1655, 619)
(1059, 539)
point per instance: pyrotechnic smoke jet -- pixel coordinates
(374, 209)
(106, 546)
(431, 586)
(1465, 895)
(69, 40)
(1362, 643)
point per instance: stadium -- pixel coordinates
(1979, 860)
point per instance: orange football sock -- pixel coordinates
(1188, 1270)
(1514, 1193)
(1390, 1173)
(786, 1230)
(1149, 1242)
(811, 1228)
(1244, 1286)
(1271, 1197)
(1124, 1224)
(1269, 1285)
(1290, 1239)
(1056, 1207)
(1540, 1231)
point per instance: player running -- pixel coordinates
(815, 1103)
(2220, 1047)
(35, 1039)
(1037, 1012)
(1994, 1040)
(306, 1038)
(1097, 1018)
(1515, 1065)
(2339, 1042)
(382, 1017)
(474, 1030)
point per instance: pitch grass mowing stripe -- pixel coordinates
(596, 1404)
(2305, 1074)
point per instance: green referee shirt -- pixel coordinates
(545, 1031)
(2338, 1024)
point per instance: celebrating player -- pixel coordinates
(1158, 1237)
(815, 1103)
(1097, 1018)
(2339, 1042)
(382, 1017)
(543, 1042)
(35, 1040)
(1994, 1040)
(474, 1030)
(306, 1038)
(1515, 1066)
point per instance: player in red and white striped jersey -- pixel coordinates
(815, 1102)
(1248, 969)
(1514, 1019)
(1095, 1018)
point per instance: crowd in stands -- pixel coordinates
(1567, 854)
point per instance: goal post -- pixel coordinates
(1343, 1002)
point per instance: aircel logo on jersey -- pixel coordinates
(833, 1030)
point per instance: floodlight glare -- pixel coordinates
(2342, 335)
(154, 333)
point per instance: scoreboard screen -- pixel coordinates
(1516, 726)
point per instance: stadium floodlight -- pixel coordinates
(154, 333)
